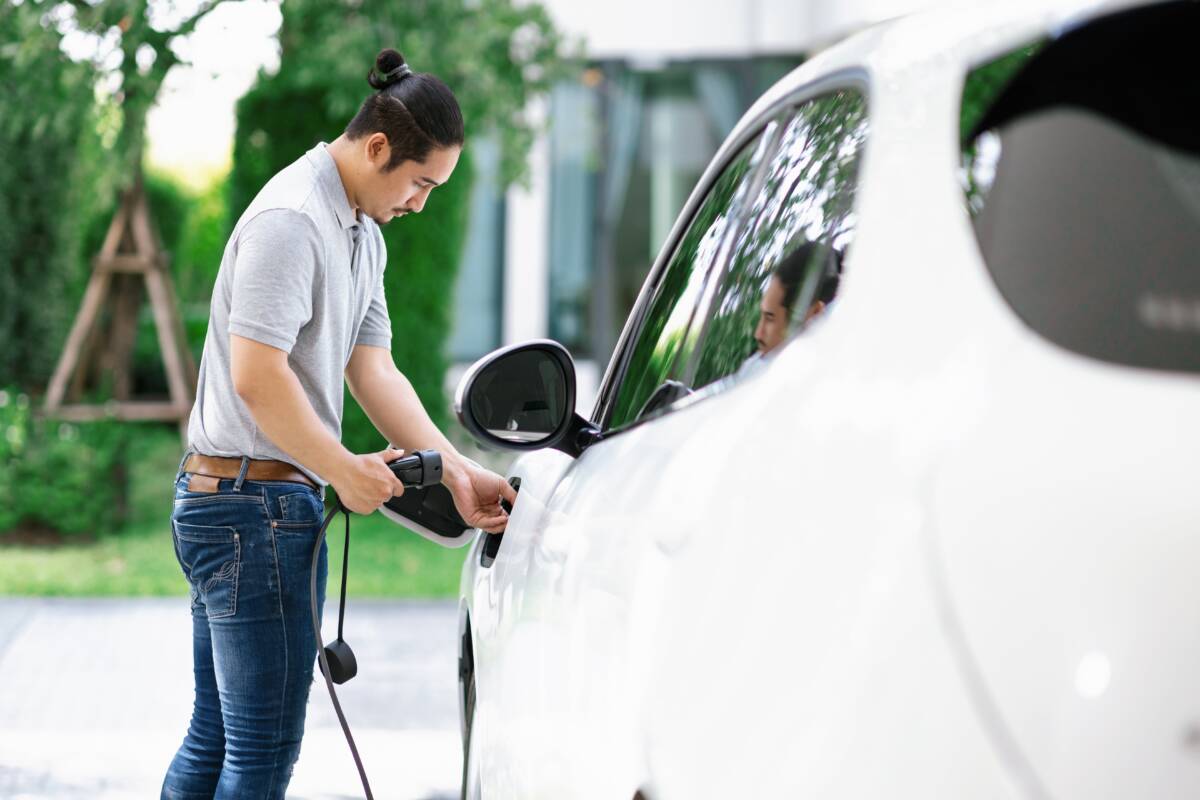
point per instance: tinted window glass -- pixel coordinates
(666, 335)
(785, 265)
(1082, 174)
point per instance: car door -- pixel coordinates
(742, 617)
(521, 724)
(572, 599)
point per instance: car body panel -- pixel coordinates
(889, 620)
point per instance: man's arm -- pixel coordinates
(395, 410)
(273, 394)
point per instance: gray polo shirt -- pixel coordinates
(300, 273)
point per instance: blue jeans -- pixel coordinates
(246, 551)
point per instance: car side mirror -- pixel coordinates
(522, 397)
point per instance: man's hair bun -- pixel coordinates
(414, 110)
(390, 68)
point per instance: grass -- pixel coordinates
(385, 561)
(139, 561)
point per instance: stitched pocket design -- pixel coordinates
(211, 557)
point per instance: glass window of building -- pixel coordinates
(628, 143)
(478, 297)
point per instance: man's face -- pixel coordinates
(772, 318)
(403, 190)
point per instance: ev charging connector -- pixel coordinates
(338, 664)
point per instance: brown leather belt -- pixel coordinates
(258, 469)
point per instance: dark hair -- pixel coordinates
(800, 262)
(414, 110)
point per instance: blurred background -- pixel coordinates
(587, 129)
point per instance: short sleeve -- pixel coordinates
(278, 255)
(376, 328)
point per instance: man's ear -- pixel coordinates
(377, 149)
(815, 309)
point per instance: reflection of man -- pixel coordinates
(775, 308)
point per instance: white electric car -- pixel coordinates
(890, 489)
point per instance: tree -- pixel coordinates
(76, 147)
(48, 123)
(138, 34)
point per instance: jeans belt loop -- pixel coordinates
(186, 455)
(241, 478)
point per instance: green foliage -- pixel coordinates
(424, 252)
(806, 195)
(195, 261)
(169, 204)
(982, 88)
(196, 255)
(801, 193)
(662, 339)
(138, 559)
(60, 476)
(494, 55)
(387, 562)
(50, 178)
(193, 227)
(276, 124)
(135, 53)
(984, 84)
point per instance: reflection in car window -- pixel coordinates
(785, 264)
(1081, 173)
(982, 87)
(664, 340)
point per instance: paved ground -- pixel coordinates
(95, 696)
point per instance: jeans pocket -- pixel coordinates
(299, 509)
(211, 559)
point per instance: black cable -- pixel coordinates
(345, 568)
(337, 506)
(419, 469)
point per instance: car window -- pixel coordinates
(664, 340)
(1081, 173)
(785, 265)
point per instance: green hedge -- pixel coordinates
(193, 227)
(60, 476)
(48, 182)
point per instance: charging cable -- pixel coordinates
(338, 664)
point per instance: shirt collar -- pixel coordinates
(331, 182)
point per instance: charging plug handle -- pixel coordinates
(418, 470)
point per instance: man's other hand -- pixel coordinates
(477, 493)
(365, 481)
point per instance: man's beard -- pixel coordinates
(379, 221)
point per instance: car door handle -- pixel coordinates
(491, 541)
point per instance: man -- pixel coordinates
(820, 262)
(298, 306)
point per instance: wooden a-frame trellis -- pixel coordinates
(102, 343)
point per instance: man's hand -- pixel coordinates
(396, 411)
(364, 482)
(477, 493)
